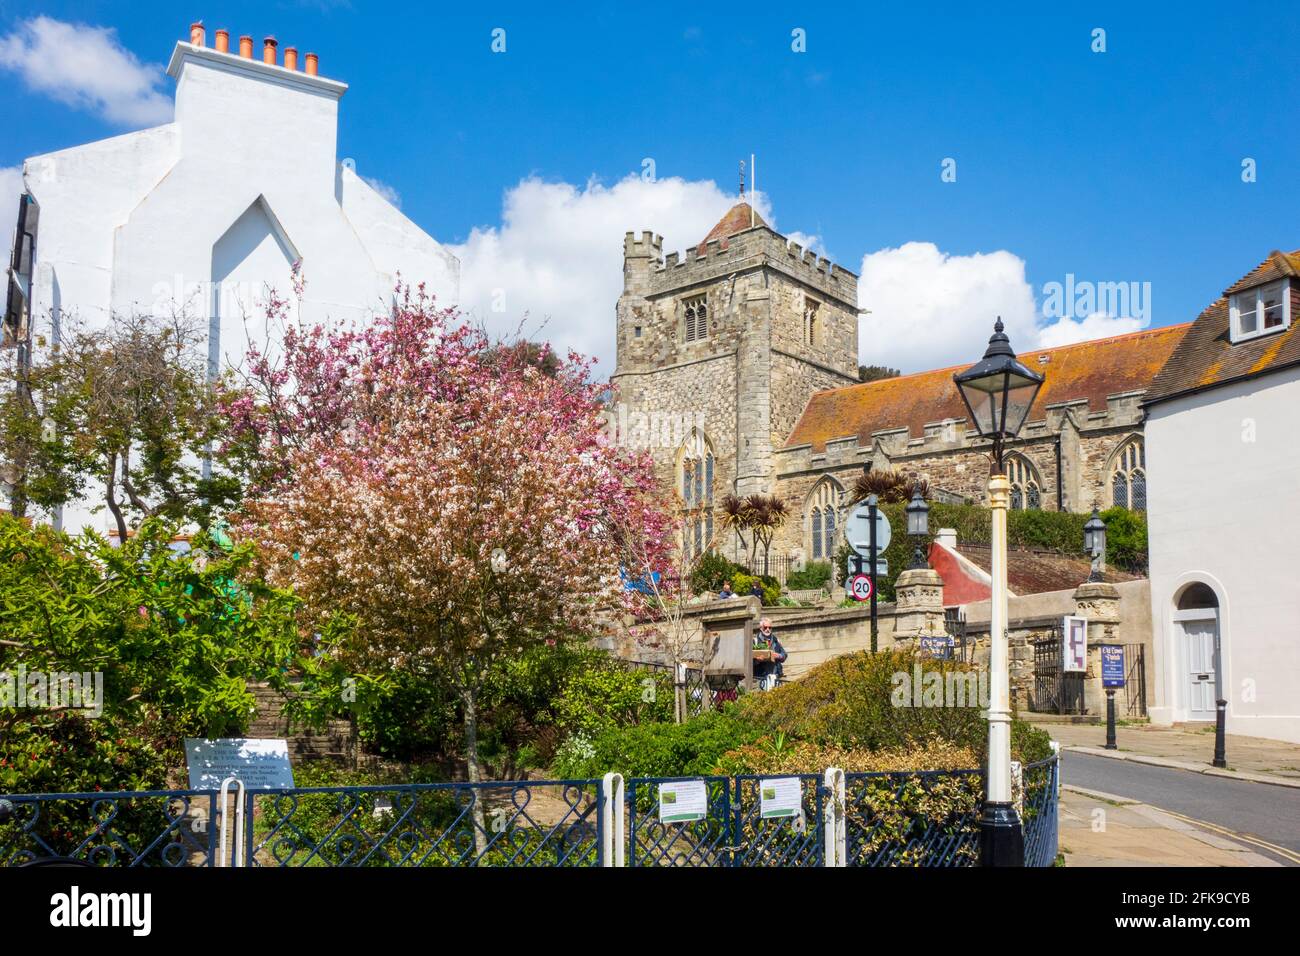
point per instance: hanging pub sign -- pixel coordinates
(1074, 644)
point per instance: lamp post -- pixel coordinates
(918, 527)
(998, 391)
(1094, 543)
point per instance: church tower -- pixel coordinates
(719, 349)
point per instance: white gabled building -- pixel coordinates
(1224, 510)
(209, 212)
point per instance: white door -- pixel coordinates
(1200, 639)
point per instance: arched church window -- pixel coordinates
(822, 521)
(698, 464)
(1128, 477)
(696, 314)
(1026, 486)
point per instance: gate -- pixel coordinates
(1055, 690)
(1135, 680)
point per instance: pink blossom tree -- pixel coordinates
(459, 500)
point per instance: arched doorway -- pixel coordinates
(1196, 631)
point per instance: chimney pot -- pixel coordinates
(246, 47)
(223, 41)
(291, 58)
(268, 50)
(313, 64)
(197, 33)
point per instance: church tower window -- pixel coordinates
(696, 489)
(810, 330)
(696, 311)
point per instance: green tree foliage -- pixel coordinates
(873, 373)
(814, 575)
(124, 412)
(176, 641)
(656, 750)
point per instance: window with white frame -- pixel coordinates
(823, 519)
(696, 315)
(1258, 311)
(1026, 487)
(1128, 476)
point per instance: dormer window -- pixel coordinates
(1258, 311)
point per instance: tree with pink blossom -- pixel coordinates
(460, 501)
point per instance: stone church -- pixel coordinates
(753, 341)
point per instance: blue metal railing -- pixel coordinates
(923, 818)
(126, 828)
(1042, 786)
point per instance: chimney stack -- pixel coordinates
(268, 51)
(223, 41)
(197, 33)
(313, 64)
(291, 58)
(246, 47)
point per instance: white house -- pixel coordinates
(1224, 510)
(210, 212)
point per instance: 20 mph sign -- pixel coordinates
(860, 587)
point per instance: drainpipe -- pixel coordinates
(1060, 483)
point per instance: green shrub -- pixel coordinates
(814, 575)
(1126, 539)
(606, 695)
(742, 583)
(711, 571)
(849, 702)
(693, 748)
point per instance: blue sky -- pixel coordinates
(1117, 166)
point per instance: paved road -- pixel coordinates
(1256, 809)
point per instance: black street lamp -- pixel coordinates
(1094, 544)
(998, 391)
(918, 527)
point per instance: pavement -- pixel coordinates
(1185, 748)
(1101, 829)
(1145, 805)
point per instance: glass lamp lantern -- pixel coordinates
(918, 527)
(999, 391)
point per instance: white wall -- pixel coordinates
(1224, 509)
(205, 214)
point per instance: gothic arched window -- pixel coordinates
(822, 521)
(1128, 476)
(696, 468)
(1026, 486)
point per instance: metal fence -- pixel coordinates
(858, 819)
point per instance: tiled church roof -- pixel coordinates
(736, 220)
(1206, 357)
(1087, 370)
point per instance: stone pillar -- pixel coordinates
(1099, 603)
(918, 607)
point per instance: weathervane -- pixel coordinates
(742, 179)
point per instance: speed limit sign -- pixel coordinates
(860, 587)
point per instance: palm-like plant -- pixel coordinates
(767, 514)
(889, 486)
(734, 516)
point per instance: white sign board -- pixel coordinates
(1074, 644)
(681, 801)
(780, 797)
(262, 764)
(857, 530)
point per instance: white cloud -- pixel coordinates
(388, 192)
(558, 253)
(1099, 325)
(930, 309)
(11, 187)
(88, 68)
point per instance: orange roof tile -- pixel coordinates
(1086, 370)
(737, 219)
